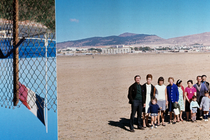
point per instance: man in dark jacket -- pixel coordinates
(205, 82)
(136, 97)
(201, 89)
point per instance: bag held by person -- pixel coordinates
(176, 111)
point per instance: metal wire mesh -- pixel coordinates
(36, 64)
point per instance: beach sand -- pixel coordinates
(92, 94)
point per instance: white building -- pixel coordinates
(76, 48)
(116, 50)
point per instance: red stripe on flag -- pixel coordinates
(23, 93)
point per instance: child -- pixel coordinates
(153, 109)
(205, 105)
(193, 107)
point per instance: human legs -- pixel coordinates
(195, 116)
(180, 116)
(155, 121)
(162, 117)
(187, 114)
(147, 117)
(175, 116)
(152, 121)
(144, 117)
(139, 113)
(134, 108)
(205, 117)
(192, 115)
(162, 104)
(179, 113)
(158, 117)
(199, 112)
(187, 109)
(170, 116)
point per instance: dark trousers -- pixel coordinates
(136, 107)
(199, 112)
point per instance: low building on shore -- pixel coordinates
(122, 50)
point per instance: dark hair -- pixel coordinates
(154, 98)
(178, 82)
(206, 92)
(137, 76)
(160, 79)
(190, 81)
(149, 76)
(193, 97)
(203, 76)
(199, 76)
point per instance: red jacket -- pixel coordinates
(183, 91)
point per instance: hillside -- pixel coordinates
(141, 39)
(125, 39)
(202, 38)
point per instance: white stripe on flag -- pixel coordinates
(31, 100)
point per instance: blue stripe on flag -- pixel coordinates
(40, 110)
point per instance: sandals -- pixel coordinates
(173, 122)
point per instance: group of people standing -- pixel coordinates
(158, 100)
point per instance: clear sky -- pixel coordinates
(79, 19)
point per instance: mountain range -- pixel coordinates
(137, 39)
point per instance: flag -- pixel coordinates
(32, 101)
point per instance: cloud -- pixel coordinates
(74, 20)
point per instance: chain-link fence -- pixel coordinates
(28, 54)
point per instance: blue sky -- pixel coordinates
(79, 19)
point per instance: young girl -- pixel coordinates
(161, 95)
(205, 105)
(193, 107)
(153, 109)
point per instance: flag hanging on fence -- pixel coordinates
(32, 101)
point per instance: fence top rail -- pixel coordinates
(10, 37)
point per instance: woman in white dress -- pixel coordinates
(149, 91)
(161, 95)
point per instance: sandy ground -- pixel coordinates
(92, 94)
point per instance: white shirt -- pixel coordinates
(160, 92)
(148, 97)
(148, 89)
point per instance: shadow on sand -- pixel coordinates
(123, 123)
